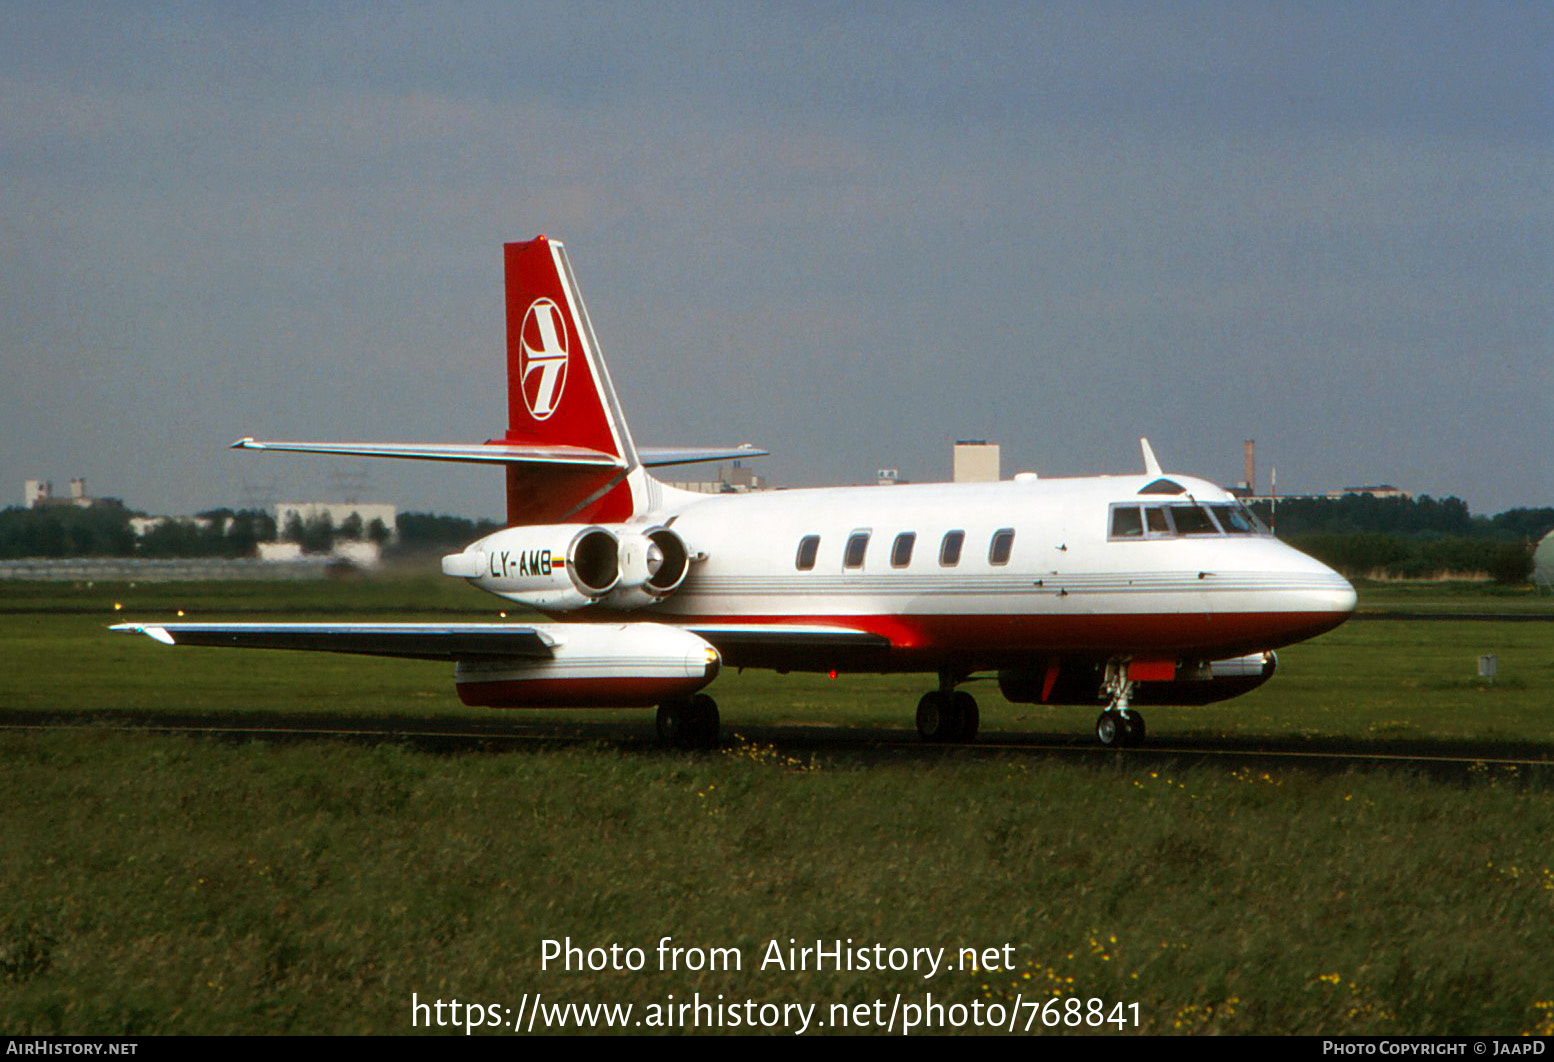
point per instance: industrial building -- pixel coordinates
(1247, 490)
(733, 478)
(39, 494)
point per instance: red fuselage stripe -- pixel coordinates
(1214, 635)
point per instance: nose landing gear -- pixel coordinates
(1119, 729)
(1118, 726)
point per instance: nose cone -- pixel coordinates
(1324, 588)
(1337, 601)
(1272, 595)
(1316, 592)
(1344, 597)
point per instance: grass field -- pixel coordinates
(176, 883)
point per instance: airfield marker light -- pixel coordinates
(180, 612)
(118, 606)
(833, 672)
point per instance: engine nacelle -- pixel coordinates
(595, 665)
(1080, 682)
(548, 566)
(560, 567)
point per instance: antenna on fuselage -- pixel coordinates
(1151, 466)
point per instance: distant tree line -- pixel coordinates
(214, 533)
(319, 533)
(66, 531)
(1411, 538)
(427, 532)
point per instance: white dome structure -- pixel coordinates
(1543, 562)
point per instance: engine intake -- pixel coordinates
(653, 564)
(593, 559)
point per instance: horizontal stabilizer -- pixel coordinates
(658, 457)
(418, 641)
(493, 453)
(505, 453)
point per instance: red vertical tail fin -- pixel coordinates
(559, 394)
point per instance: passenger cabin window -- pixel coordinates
(857, 544)
(809, 546)
(901, 552)
(1003, 542)
(949, 549)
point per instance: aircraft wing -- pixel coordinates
(419, 641)
(456, 641)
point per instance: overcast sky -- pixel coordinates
(849, 233)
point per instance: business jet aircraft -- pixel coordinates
(1110, 590)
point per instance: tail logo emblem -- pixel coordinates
(542, 364)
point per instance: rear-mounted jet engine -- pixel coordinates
(561, 567)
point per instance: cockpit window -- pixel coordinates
(1126, 522)
(1234, 520)
(1182, 518)
(1192, 520)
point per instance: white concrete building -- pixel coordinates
(976, 461)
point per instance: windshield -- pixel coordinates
(1129, 520)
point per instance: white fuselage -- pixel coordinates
(1045, 568)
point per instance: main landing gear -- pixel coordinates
(1118, 726)
(948, 714)
(689, 724)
